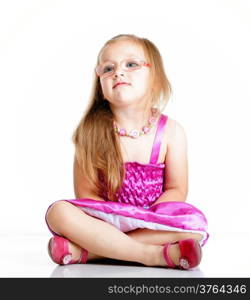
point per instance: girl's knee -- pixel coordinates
(57, 211)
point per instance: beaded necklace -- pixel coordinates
(135, 133)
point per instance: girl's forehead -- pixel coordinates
(121, 50)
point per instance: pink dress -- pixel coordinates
(142, 186)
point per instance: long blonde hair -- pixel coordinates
(97, 147)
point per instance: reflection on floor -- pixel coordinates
(26, 256)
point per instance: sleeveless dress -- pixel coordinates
(135, 208)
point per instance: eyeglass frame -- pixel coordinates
(141, 62)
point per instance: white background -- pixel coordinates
(48, 52)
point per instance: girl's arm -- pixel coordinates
(82, 186)
(176, 171)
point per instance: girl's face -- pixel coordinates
(137, 87)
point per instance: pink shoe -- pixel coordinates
(59, 252)
(190, 254)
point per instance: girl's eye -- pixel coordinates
(108, 69)
(132, 64)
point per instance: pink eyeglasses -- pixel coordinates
(131, 64)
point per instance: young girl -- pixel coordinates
(130, 170)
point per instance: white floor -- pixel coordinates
(224, 255)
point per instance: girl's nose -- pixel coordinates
(117, 74)
(118, 71)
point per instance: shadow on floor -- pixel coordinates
(115, 268)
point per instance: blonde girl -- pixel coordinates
(130, 170)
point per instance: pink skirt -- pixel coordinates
(169, 216)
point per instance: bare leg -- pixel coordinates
(161, 237)
(151, 237)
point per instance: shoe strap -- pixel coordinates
(166, 256)
(83, 257)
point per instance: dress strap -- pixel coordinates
(158, 137)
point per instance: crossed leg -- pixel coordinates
(102, 239)
(150, 237)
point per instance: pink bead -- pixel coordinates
(145, 129)
(134, 133)
(122, 131)
(152, 120)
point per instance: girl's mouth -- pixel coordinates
(119, 83)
